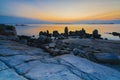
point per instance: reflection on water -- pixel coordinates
(34, 29)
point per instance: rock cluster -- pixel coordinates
(55, 49)
(93, 50)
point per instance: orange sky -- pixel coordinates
(63, 10)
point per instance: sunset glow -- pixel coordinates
(62, 10)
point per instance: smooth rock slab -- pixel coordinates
(50, 71)
(35, 64)
(17, 59)
(89, 70)
(2, 66)
(10, 75)
(26, 67)
(8, 52)
(107, 57)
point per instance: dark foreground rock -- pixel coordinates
(20, 62)
(107, 58)
(8, 32)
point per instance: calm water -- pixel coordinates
(34, 29)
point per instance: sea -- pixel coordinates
(103, 29)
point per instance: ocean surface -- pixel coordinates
(34, 29)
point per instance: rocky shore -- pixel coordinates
(23, 58)
(106, 52)
(21, 62)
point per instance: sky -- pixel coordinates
(62, 10)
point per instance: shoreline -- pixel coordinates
(46, 58)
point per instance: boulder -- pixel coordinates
(8, 32)
(59, 43)
(44, 39)
(78, 52)
(54, 52)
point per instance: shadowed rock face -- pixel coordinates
(7, 32)
(107, 58)
(20, 62)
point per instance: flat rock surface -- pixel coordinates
(106, 46)
(20, 62)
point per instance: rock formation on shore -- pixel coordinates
(8, 32)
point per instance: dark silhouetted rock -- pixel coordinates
(24, 39)
(66, 32)
(115, 34)
(44, 39)
(8, 32)
(95, 34)
(55, 33)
